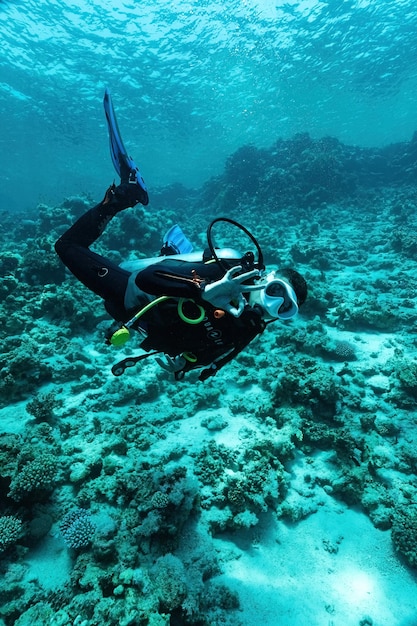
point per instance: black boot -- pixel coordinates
(125, 195)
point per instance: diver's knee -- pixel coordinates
(59, 247)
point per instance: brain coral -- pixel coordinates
(343, 351)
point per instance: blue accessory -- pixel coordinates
(123, 164)
(176, 239)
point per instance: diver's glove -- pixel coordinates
(171, 364)
(227, 293)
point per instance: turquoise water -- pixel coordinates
(192, 82)
(282, 490)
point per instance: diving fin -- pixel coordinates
(119, 368)
(123, 164)
(177, 241)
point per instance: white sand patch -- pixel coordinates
(49, 563)
(377, 347)
(14, 418)
(331, 569)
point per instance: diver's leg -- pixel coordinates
(102, 276)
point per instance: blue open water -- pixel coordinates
(192, 81)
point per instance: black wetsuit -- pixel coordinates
(214, 341)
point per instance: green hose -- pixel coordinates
(122, 335)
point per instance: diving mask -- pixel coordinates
(277, 298)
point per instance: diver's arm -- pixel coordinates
(200, 282)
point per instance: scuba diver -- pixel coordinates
(193, 309)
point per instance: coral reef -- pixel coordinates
(141, 476)
(404, 534)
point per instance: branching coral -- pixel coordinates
(42, 406)
(35, 476)
(77, 528)
(10, 530)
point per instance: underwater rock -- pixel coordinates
(379, 383)
(214, 422)
(40, 613)
(404, 534)
(406, 374)
(40, 526)
(22, 368)
(168, 576)
(308, 383)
